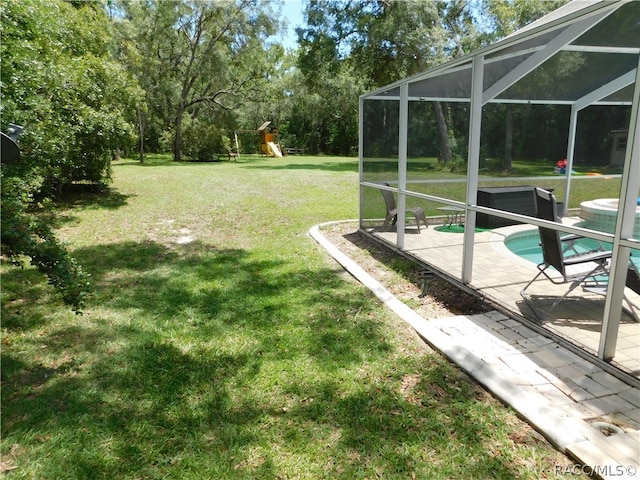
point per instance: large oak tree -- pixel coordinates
(382, 41)
(198, 56)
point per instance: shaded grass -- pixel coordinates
(222, 343)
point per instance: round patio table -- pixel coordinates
(455, 215)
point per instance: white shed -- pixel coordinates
(618, 147)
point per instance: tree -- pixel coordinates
(59, 82)
(503, 18)
(25, 233)
(384, 41)
(198, 56)
(274, 99)
(324, 116)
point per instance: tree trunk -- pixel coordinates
(445, 148)
(141, 129)
(508, 139)
(177, 143)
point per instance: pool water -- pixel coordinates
(527, 245)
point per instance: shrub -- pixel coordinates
(60, 83)
(203, 141)
(25, 233)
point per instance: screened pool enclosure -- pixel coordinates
(552, 91)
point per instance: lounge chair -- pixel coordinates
(392, 210)
(589, 269)
(574, 269)
(632, 282)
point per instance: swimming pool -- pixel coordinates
(527, 245)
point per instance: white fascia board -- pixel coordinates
(504, 101)
(421, 99)
(441, 99)
(382, 97)
(532, 101)
(601, 49)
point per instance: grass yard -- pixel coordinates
(427, 176)
(222, 343)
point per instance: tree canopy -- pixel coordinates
(198, 58)
(61, 82)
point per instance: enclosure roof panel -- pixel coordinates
(586, 50)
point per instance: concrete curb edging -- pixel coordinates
(560, 429)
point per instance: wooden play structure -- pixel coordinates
(269, 140)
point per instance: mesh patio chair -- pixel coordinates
(574, 269)
(633, 278)
(632, 282)
(392, 210)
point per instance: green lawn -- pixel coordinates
(222, 343)
(425, 175)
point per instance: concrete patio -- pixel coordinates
(499, 275)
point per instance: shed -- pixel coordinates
(618, 147)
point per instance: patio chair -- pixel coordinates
(574, 269)
(632, 282)
(633, 278)
(392, 210)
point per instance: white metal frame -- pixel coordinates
(573, 24)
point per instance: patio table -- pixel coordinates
(455, 215)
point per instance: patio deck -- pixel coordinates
(499, 275)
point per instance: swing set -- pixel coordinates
(269, 141)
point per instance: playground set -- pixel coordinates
(269, 140)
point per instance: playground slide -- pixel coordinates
(274, 149)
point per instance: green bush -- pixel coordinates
(60, 83)
(76, 105)
(203, 141)
(27, 234)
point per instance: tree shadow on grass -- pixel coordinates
(218, 362)
(24, 290)
(88, 196)
(93, 196)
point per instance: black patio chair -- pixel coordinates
(632, 282)
(392, 210)
(574, 269)
(600, 284)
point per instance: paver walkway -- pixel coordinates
(570, 400)
(567, 398)
(499, 275)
